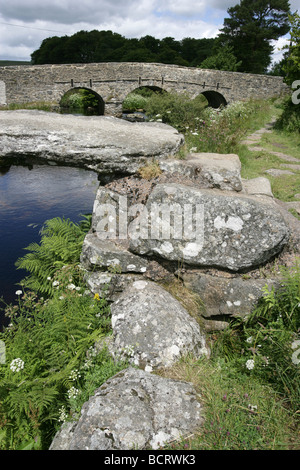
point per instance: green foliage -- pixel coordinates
(134, 101)
(289, 120)
(175, 109)
(291, 65)
(240, 411)
(251, 27)
(221, 130)
(106, 46)
(262, 345)
(79, 99)
(224, 59)
(61, 243)
(52, 363)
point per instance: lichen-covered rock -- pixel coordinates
(152, 329)
(104, 144)
(226, 230)
(225, 296)
(208, 170)
(133, 410)
(98, 253)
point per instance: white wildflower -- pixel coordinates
(249, 340)
(71, 286)
(250, 364)
(55, 283)
(19, 292)
(74, 375)
(252, 407)
(16, 365)
(73, 392)
(62, 415)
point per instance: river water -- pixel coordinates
(29, 197)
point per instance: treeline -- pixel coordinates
(107, 46)
(245, 43)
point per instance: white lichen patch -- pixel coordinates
(232, 223)
(192, 249)
(140, 284)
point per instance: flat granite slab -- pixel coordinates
(100, 143)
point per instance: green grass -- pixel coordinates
(255, 163)
(240, 413)
(39, 105)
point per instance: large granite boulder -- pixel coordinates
(227, 297)
(210, 228)
(152, 329)
(133, 410)
(104, 144)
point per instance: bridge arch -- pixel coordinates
(214, 98)
(100, 108)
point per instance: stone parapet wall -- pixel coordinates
(113, 81)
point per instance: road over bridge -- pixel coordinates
(111, 82)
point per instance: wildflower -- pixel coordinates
(16, 365)
(96, 297)
(62, 414)
(55, 283)
(71, 286)
(73, 392)
(87, 364)
(48, 278)
(19, 292)
(252, 408)
(74, 375)
(250, 364)
(249, 340)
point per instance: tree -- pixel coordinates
(252, 25)
(292, 63)
(195, 51)
(224, 59)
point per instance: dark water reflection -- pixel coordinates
(27, 199)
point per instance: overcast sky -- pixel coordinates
(25, 23)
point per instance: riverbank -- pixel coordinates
(245, 407)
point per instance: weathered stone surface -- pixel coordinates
(230, 297)
(208, 170)
(235, 232)
(133, 410)
(152, 328)
(109, 285)
(277, 172)
(113, 81)
(258, 186)
(98, 254)
(103, 144)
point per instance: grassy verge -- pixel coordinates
(240, 413)
(39, 105)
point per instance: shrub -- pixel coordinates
(134, 101)
(289, 120)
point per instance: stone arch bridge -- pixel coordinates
(111, 82)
